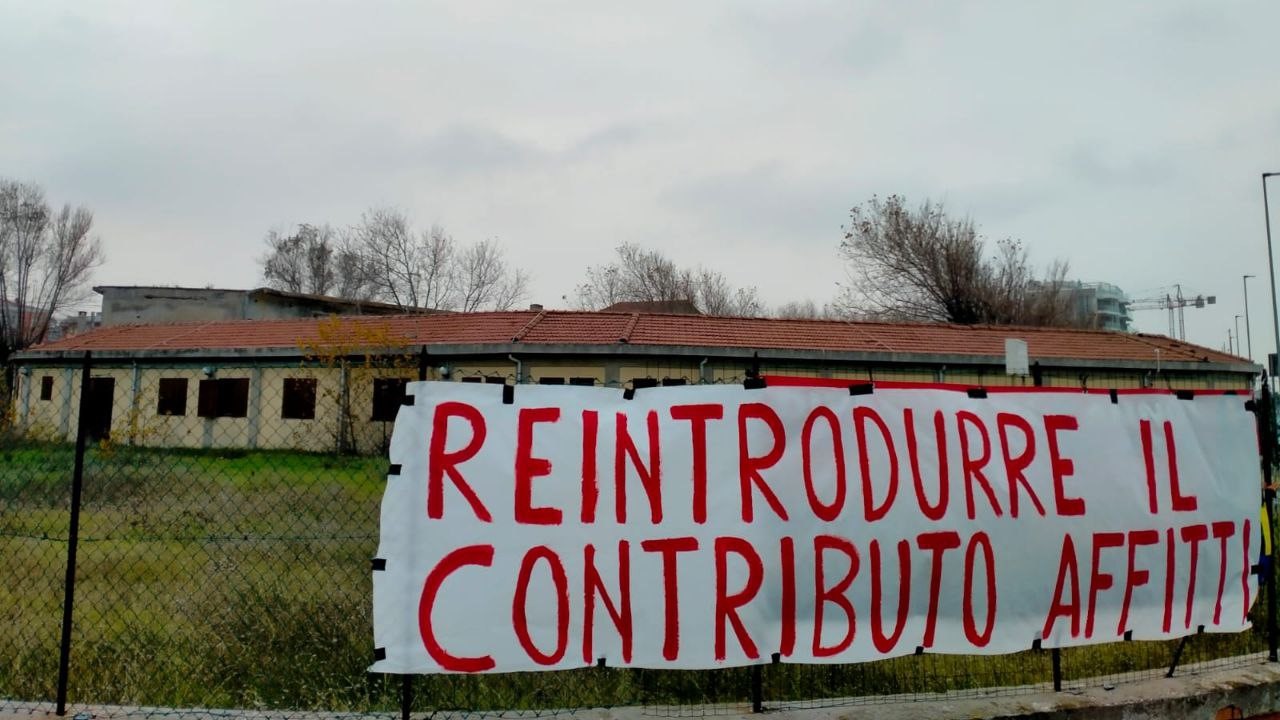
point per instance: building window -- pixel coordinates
(299, 401)
(586, 381)
(223, 397)
(46, 387)
(388, 393)
(173, 397)
(550, 381)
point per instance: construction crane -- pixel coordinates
(1174, 301)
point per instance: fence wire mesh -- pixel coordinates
(226, 526)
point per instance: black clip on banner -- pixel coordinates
(862, 388)
(394, 469)
(977, 393)
(1115, 396)
(378, 564)
(407, 400)
(508, 394)
(1184, 394)
(754, 383)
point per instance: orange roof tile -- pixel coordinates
(607, 328)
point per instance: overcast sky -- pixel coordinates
(1126, 138)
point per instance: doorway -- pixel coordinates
(102, 391)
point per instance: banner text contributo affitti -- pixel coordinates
(707, 526)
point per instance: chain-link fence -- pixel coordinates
(219, 525)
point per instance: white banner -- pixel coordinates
(708, 526)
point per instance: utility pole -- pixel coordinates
(1248, 333)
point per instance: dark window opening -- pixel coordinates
(173, 397)
(46, 387)
(587, 381)
(299, 401)
(640, 383)
(102, 393)
(223, 397)
(388, 393)
(550, 381)
(496, 380)
(674, 382)
(473, 379)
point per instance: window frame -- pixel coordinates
(224, 398)
(384, 409)
(176, 398)
(298, 398)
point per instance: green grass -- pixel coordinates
(232, 578)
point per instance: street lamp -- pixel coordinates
(1271, 267)
(1237, 335)
(1248, 334)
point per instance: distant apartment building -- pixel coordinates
(1100, 305)
(70, 326)
(26, 316)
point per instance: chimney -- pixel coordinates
(536, 307)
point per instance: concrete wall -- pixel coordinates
(345, 392)
(122, 306)
(143, 305)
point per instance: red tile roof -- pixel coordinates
(607, 328)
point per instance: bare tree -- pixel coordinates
(804, 310)
(640, 275)
(46, 258)
(714, 295)
(403, 267)
(384, 258)
(925, 266)
(303, 262)
(484, 281)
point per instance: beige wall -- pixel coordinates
(135, 418)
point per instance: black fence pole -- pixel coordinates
(757, 688)
(406, 681)
(73, 537)
(1057, 669)
(1267, 441)
(406, 696)
(1177, 655)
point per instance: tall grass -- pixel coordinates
(240, 578)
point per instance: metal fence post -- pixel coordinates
(1057, 670)
(1267, 440)
(757, 688)
(406, 696)
(406, 681)
(73, 537)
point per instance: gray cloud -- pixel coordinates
(1125, 138)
